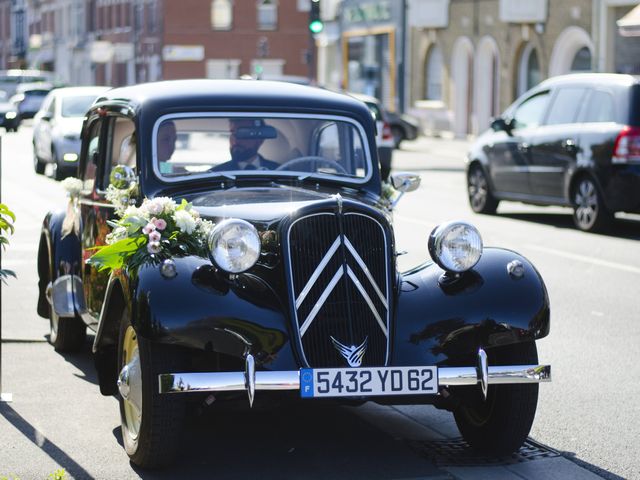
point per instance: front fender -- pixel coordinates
(441, 323)
(57, 257)
(205, 309)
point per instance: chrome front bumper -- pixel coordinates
(250, 380)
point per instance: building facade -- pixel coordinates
(121, 42)
(470, 59)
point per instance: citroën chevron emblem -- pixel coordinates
(352, 354)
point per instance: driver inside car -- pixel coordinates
(244, 149)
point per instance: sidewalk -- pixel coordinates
(432, 153)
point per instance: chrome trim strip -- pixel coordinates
(367, 299)
(250, 378)
(290, 380)
(366, 271)
(323, 298)
(483, 371)
(318, 271)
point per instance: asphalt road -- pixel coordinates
(588, 415)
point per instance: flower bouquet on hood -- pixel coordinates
(157, 230)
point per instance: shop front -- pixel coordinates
(372, 43)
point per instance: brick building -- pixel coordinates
(121, 42)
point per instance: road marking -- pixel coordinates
(582, 258)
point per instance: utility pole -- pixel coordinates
(4, 397)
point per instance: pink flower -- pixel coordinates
(148, 228)
(153, 247)
(159, 223)
(154, 236)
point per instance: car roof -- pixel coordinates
(232, 94)
(618, 79)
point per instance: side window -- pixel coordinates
(91, 160)
(565, 106)
(52, 108)
(600, 108)
(530, 112)
(121, 148)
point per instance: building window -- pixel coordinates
(433, 74)
(221, 14)
(529, 74)
(223, 68)
(267, 14)
(582, 61)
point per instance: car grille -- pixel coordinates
(339, 273)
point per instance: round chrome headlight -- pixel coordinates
(455, 246)
(234, 245)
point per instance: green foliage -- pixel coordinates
(7, 219)
(59, 474)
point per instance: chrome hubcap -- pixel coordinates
(586, 200)
(130, 383)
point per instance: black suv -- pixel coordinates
(573, 140)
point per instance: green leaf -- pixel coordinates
(114, 256)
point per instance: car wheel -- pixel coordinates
(589, 212)
(151, 422)
(500, 424)
(38, 165)
(480, 197)
(66, 334)
(398, 136)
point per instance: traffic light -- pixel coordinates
(315, 22)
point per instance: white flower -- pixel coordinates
(185, 222)
(118, 233)
(205, 227)
(153, 207)
(72, 185)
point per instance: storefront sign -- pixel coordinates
(367, 12)
(517, 11)
(183, 53)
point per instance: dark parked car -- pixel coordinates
(245, 250)
(8, 114)
(29, 99)
(573, 140)
(403, 127)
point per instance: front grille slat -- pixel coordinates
(345, 315)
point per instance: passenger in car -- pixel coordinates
(244, 151)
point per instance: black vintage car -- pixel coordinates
(246, 251)
(573, 140)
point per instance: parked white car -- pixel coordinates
(57, 127)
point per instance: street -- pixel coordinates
(588, 416)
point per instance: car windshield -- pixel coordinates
(207, 145)
(76, 106)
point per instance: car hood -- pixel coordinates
(69, 125)
(260, 204)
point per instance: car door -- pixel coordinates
(106, 140)
(554, 145)
(508, 151)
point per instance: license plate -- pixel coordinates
(368, 381)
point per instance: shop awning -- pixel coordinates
(629, 25)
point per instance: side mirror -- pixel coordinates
(122, 177)
(47, 116)
(500, 124)
(405, 181)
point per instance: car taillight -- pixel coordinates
(627, 146)
(386, 132)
